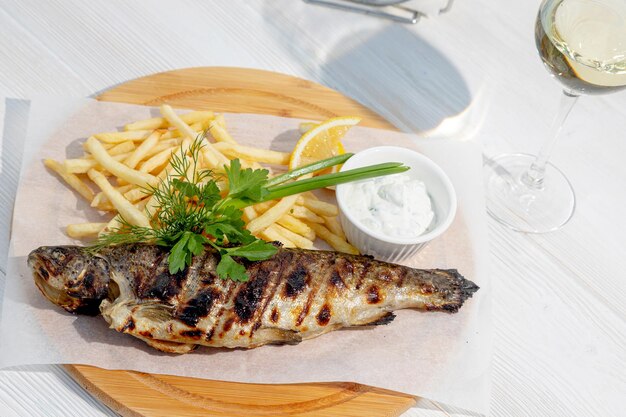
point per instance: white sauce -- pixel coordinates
(394, 205)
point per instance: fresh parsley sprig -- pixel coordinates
(193, 212)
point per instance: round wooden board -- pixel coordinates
(237, 90)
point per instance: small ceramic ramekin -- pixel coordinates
(440, 191)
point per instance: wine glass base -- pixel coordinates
(520, 207)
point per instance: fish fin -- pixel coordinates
(155, 312)
(382, 320)
(385, 318)
(457, 290)
(152, 311)
(168, 347)
(277, 336)
(125, 316)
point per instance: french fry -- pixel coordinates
(197, 116)
(249, 213)
(219, 133)
(72, 180)
(98, 199)
(219, 118)
(124, 188)
(171, 134)
(103, 205)
(319, 207)
(303, 213)
(208, 161)
(142, 150)
(161, 146)
(253, 165)
(141, 205)
(333, 224)
(118, 169)
(163, 157)
(126, 209)
(245, 163)
(82, 230)
(101, 202)
(263, 207)
(333, 240)
(296, 226)
(121, 148)
(119, 137)
(175, 133)
(152, 205)
(270, 216)
(215, 157)
(166, 171)
(201, 126)
(271, 234)
(114, 223)
(160, 122)
(298, 240)
(136, 194)
(147, 124)
(254, 154)
(306, 126)
(82, 165)
(79, 165)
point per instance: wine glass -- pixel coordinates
(583, 45)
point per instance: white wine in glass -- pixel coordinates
(583, 45)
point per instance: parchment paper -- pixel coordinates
(440, 356)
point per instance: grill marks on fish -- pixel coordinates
(204, 296)
(158, 282)
(296, 281)
(318, 289)
(275, 315)
(295, 295)
(129, 326)
(273, 275)
(373, 295)
(224, 291)
(197, 307)
(250, 296)
(323, 317)
(362, 271)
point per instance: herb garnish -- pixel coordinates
(192, 211)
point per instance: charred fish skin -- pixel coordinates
(295, 295)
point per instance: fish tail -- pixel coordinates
(461, 290)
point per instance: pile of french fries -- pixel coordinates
(118, 169)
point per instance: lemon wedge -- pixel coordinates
(322, 141)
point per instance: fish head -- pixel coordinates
(70, 277)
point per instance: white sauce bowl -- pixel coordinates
(440, 190)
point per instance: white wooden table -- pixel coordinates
(559, 310)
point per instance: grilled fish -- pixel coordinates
(295, 295)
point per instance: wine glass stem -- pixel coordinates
(535, 175)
